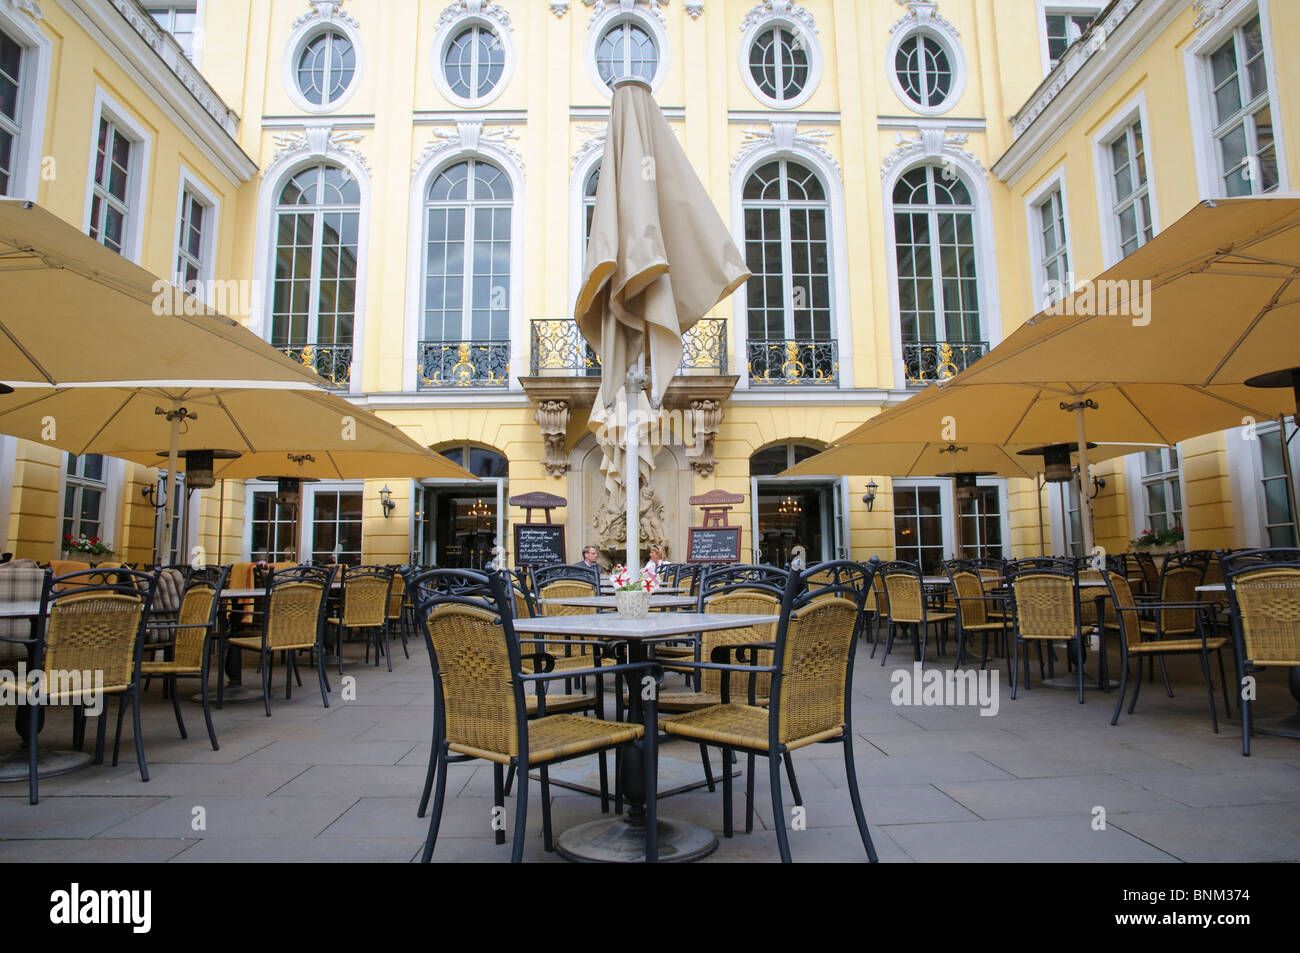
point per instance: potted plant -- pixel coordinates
(90, 550)
(1159, 540)
(632, 596)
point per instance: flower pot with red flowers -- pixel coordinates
(1156, 541)
(632, 596)
(88, 550)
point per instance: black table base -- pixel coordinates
(619, 840)
(50, 763)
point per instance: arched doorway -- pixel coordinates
(457, 524)
(796, 511)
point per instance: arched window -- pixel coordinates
(326, 67)
(626, 49)
(466, 329)
(314, 300)
(779, 457)
(787, 249)
(938, 284)
(589, 203)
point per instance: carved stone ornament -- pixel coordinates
(600, 6)
(552, 418)
(326, 10)
(322, 141)
(610, 521)
(932, 142)
(784, 136)
(707, 420)
(29, 7)
(493, 12)
(469, 136)
(779, 8)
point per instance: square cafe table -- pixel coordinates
(610, 602)
(622, 839)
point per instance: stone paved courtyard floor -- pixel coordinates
(938, 784)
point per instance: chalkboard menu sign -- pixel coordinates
(714, 544)
(539, 544)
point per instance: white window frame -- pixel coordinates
(1051, 7)
(200, 12)
(1132, 111)
(1135, 481)
(138, 174)
(441, 44)
(1196, 59)
(956, 64)
(33, 92)
(114, 478)
(190, 183)
(948, 503)
(306, 517)
(811, 45)
(268, 486)
(578, 216)
(612, 16)
(1004, 517)
(1058, 502)
(293, 51)
(1054, 184)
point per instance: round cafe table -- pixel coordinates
(609, 602)
(50, 762)
(1103, 681)
(622, 839)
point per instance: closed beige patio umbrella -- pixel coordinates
(659, 258)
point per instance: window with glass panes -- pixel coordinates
(934, 238)
(1279, 518)
(192, 245)
(467, 254)
(1056, 258)
(317, 221)
(923, 70)
(11, 72)
(1161, 489)
(918, 526)
(175, 554)
(1243, 115)
(1063, 28)
(981, 523)
(1131, 195)
(109, 209)
(1073, 519)
(474, 62)
(326, 68)
(274, 530)
(788, 253)
(778, 63)
(336, 527)
(179, 20)
(83, 496)
(624, 51)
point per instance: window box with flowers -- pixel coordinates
(632, 596)
(1159, 541)
(90, 550)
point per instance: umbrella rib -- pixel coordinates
(338, 471)
(104, 426)
(1272, 303)
(1222, 398)
(1154, 429)
(234, 423)
(26, 353)
(1025, 413)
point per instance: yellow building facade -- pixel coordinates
(398, 190)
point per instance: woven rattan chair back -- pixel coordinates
(970, 591)
(565, 589)
(295, 606)
(1268, 605)
(366, 594)
(1150, 572)
(193, 623)
(94, 632)
(739, 601)
(475, 672)
(396, 595)
(903, 589)
(713, 578)
(1044, 605)
(1179, 584)
(1120, 608)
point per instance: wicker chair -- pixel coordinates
(1264, 601)
(973, 605)
(903, 585)
(1141, 638)
(810, 698)
(1045, 609)
(89, 626)
(192, 635)
(367, 595)
(480, 711)
(567, 582)
(397, 607)
(293, 622)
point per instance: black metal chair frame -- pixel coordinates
(500, 604)
(378, 634)
(951, 568)
(919, 639)
(1051, 566)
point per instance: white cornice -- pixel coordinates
(1082, 78)
(741, 116)
(785, 136)
(590, 113)
(155, 62)
(491, 117)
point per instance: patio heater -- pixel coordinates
(199, 465)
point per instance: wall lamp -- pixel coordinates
(386, 501)
(870, 498)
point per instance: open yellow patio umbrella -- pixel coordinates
(659, 258)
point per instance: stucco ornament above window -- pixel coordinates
(695, 8)
(779, 8)
(653, 6)
(29, 7)
(932, 143)
(326, 11)
(492, 12)
(559, 8)
(469, 137)
(321, 141)
(925, 13)
(593, 140)
(785, 137)
(1207, 11)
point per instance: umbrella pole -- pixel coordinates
(221, 516)
(1085, 483)
(1038, 499)
(632, 476)
(1286, 468)
(174, 417)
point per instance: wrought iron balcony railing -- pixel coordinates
(331, 361)
(558, 349)
(925, 363)
(791, 362)
(463, 364)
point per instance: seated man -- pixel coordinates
(590, 557)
